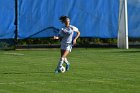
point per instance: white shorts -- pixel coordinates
(66, 46)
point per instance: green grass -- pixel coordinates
(92, 71)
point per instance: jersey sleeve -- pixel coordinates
(66, 31)
(74, 28)
(60, 34)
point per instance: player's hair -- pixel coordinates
(63, 18)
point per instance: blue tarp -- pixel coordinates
(134, 18)
(7, 19)
(94, 18)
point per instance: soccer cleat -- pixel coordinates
(56, 71)
(67, 67)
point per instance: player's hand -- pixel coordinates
(74, 42)
(55, 37)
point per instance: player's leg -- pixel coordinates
(62, 52)
(67, 64)
(66, 61)
(60, 62)
(64, 55)
(65, 49)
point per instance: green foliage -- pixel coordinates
(4, 45)
(7, 44)
(38, 41)
(80, 41)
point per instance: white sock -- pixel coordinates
(61, 61)
(66, 61)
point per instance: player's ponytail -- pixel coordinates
(63, 19)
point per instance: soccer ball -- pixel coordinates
(62, 69)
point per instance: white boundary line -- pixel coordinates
(17, 54)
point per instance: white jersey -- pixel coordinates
(67, 33)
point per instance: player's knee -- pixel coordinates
(62, 59)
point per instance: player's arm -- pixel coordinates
(59, 35)
(77, 36)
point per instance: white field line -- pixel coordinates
(16, 54)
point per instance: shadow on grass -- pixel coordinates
(129, 51)
(7, 73)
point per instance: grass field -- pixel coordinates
(94, 70)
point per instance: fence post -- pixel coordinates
(16, 23)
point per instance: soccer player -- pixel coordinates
(67, 41)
